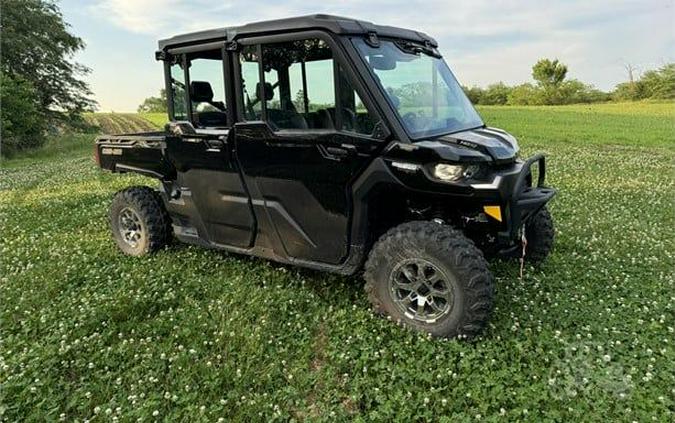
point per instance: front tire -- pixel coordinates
(540, 235)
(432, 278)
(139, 222)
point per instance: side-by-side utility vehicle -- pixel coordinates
(339, 145)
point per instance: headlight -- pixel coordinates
(448, 172)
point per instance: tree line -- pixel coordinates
(552, 88)
(41, 87)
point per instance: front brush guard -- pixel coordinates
(525, 201)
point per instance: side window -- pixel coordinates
(355, 115)
(298, 90)
(251, 87)
(298, 86)
(207, 88)
(178, 90)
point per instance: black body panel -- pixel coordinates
(207, 175)
(300, 181)
(500, 146)
(140, 153)
(338, 25)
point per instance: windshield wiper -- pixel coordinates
(412, 48)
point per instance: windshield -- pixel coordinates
(421, 88)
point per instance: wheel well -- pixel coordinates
(391, 206)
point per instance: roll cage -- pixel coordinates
(337, 32)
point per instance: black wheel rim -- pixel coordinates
(421, 290)
(130, 227)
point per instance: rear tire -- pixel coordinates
(540, 236)
(139, 221)
(432, 278)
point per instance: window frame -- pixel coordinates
(228, 94)
(168, 64)
(340, 60)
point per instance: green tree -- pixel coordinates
(654, 84)
(415, 94)
(660, 83)
(496, 94)
(154, 104)
(629, 91)
(574, 91)
(474, 93)
(299, 101)
(549, 73)
(37, 57)
(22, 124)
(523, 95)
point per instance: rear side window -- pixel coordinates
(207, 88)
(178, 96)
(250, 78)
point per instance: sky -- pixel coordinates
(483, 41)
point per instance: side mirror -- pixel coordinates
(380, 131)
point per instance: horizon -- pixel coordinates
(483, 43)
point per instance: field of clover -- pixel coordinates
(189, 334)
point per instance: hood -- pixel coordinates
(500, 146)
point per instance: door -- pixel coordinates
(208, 177)
(304, 137)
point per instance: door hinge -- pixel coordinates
(372, 39)
(163, 55)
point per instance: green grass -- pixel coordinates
(157, 119)
(190, 334)
(56, 148)
(119, 123)
(638, 124)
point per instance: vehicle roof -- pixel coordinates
(335, 24)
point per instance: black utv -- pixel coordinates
(338, 145)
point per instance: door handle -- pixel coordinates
(333, 152)
(337, 152)
(215, 143)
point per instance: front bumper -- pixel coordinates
(519, 197)
(526, 198)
